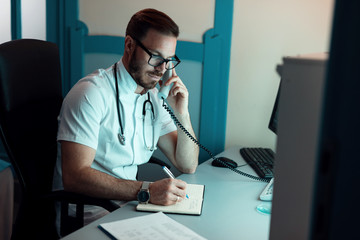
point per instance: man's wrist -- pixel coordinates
(184, 118)
(143, 195)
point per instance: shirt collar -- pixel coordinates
(126, 82)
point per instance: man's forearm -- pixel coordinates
(187, 151)
(95, 183)
(98, 184)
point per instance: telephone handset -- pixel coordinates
(164, 90)
(163, 93)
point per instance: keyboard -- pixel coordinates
(260, 159)
(267, 193)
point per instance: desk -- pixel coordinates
(229, 208)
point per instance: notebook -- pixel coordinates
(192, 205)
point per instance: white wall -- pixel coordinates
(5, 27)
(33, 19)
(263, 32)
(193, 17)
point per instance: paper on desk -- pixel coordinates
(153, 226)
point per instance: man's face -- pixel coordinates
(147, 76)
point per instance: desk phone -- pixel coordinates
(267, 193)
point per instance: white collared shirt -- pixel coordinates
(89, 116)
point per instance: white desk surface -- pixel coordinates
(229, 208)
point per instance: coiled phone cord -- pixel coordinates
(177, 122)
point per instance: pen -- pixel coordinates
(171, 175)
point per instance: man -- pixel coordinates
(94, 159)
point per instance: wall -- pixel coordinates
(263, 32)
(33, 19)
(192, 27)
(5, 28)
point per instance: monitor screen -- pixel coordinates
(273, 124)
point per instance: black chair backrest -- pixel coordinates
(30, 101)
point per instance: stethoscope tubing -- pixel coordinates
(121, 136)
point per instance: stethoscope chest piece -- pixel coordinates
(121, 139)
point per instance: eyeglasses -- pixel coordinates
(156, 60)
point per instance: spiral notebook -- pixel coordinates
(192, 205)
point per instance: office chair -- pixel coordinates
(30, 101)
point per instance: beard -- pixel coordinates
(137, 71)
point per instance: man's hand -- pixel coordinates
(178, 96)
(167, 191)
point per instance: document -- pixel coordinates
(153, 226)
(191, 205)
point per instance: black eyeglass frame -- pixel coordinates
(175, 62)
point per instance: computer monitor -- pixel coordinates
(273, 123)
(300, 109)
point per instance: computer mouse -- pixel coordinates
(228, 161)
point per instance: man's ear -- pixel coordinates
(129, 45)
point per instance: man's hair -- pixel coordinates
(149, 18)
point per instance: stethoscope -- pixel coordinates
(147, 106)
